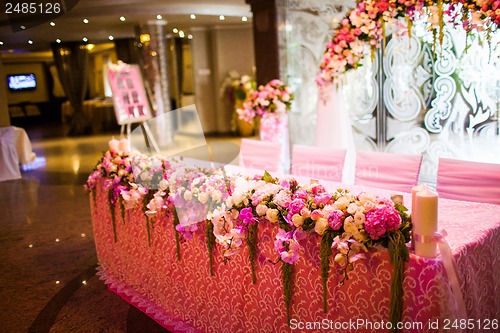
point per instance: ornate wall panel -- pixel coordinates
(307, 29)
(408, 99)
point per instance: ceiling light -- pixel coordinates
(175, 30)
(23, 27)
(85, 39)
(181, 34)
(85, 21)
(58, 40)
(52, 24)
(190, 36)
(30, 42)
(159, 17)
(111, 37)
(122, 18)
(145, 38)
(192, 16)
(1, 43)
(244, 19)
(222, 17)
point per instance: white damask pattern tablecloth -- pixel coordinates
(182, 296)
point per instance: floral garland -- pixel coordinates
(365, 25)
(231, 207)
(274, 97)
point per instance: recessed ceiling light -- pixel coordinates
(190, 36)
(23, 27)
(222, 17)
(175, 30)
(85, 21)
(244, 19)
(52, 24)
(58, 40)
(159, 17)
(192, 16)
(85, 39)
(1, 43)
(122, 18)
(111, 37)
(30, 42)
(181, 34)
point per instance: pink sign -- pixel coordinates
(129, 95)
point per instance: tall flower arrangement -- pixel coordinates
(235, 90)
(274, 97)
(365, 26)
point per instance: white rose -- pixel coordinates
(203, 197)
(321, 225)
(297, 220)
(188, 195)
(261, 209)
(163, 184)
(272, 215)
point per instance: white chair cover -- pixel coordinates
(469, 181)
(261, 155)
(9, 160)
(391, 171)
(318, 162)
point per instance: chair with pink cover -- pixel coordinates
(469, 181)
(391, 171)
(260, 155)
(318, 162)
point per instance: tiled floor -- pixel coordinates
(46, 246)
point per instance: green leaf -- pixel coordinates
(267, 177)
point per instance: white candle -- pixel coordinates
(123, 146)
(425, 223)
(113, 144)
(414, 191)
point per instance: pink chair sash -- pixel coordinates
(318, 162)
(387, 170)
(261, 155)
(470, 181)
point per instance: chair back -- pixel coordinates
(468, 181)
(318, 162)
(260, 155)
(391, 171)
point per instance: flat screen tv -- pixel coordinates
(21, 82)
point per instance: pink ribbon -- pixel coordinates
(449, 266)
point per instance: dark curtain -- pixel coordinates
(127, 50)
(72, 60)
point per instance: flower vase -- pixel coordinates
(245, 128)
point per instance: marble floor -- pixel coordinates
(47, 276)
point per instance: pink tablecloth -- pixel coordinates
(182, 296)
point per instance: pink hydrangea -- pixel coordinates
(380, 220)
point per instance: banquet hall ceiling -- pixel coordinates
(104, 20)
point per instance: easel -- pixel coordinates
(146, 132)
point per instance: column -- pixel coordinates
(4, 107)
(154, 55)
(266, 39)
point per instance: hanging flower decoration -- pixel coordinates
(274, 97)
(232, 207)
(366, 25)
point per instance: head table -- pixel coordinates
(183, 296)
